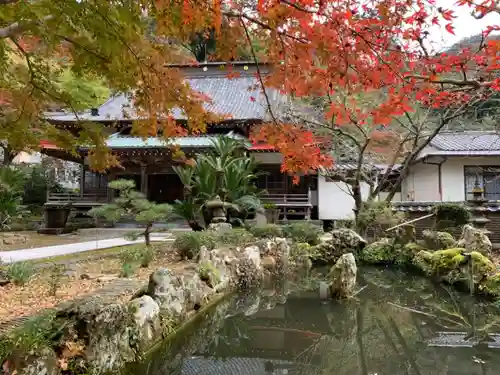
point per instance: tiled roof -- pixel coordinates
(117, 141)
(237, 98)
(427, 206)
(467, 141)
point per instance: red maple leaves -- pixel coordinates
(350, 50)
(299, 147)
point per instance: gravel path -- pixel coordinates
(51, 251)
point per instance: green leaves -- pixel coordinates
(132, 204)
(225, 172)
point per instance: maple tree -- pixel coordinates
(318, 48)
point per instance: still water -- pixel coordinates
(397, 325)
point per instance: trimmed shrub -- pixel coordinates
(236, 237)
(304, 232)
(266, 231)
(451, 215)
(188, 244)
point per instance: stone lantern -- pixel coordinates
(217, 209)
(479, 220)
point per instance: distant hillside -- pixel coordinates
(471, 42)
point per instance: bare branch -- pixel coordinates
(259, 75)
(455, 82)
(16, 28)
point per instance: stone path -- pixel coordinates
(50, 251)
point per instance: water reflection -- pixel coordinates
(397, 325)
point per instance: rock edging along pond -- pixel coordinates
(95, 336)
(98, 336)
(467, 263)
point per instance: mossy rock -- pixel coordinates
(452, 265)
(423, 261)
(438, 240)
(406, 253)
(491, 285)
(447, 260)
(482, 265)
(379, 252)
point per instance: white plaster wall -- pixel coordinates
(334, 200)
(453, 175)
(421, 183)
(397, 196)
(27, 158)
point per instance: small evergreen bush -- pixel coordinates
(20, 273)
(131, 257)
(266, 231)
(236, 237)
(450, 215)
(148, 254)
(188, 244)
(304, 232)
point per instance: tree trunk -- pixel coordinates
(8, 156)
(147, 234)
(358, 203)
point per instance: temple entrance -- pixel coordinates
(134, 177)
(164, 188)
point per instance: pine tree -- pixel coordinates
(133, 205)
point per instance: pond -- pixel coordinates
(398, 324)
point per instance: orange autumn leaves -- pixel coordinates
(300, 148)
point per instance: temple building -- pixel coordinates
(149, 161)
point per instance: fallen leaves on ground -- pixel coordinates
(18, 301)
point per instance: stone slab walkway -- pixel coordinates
(51, 251)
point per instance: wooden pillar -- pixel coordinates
(110, 192)
(82, 179)
(144, 180)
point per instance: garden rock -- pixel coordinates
(197, 291)
(269, 263)
(347, 239)
(4, 279)
(107, 328)
(167, 289)
(343, 277)
(220, 227)
(277, 248)
(454, 265)
(219, 260)
(474, 239)
(147, 321)
(12, 239)
(438, 240)
(249, 269)
(342, 241)
(44, 363)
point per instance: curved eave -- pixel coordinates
(62, 154)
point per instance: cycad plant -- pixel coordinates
(225, 172)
